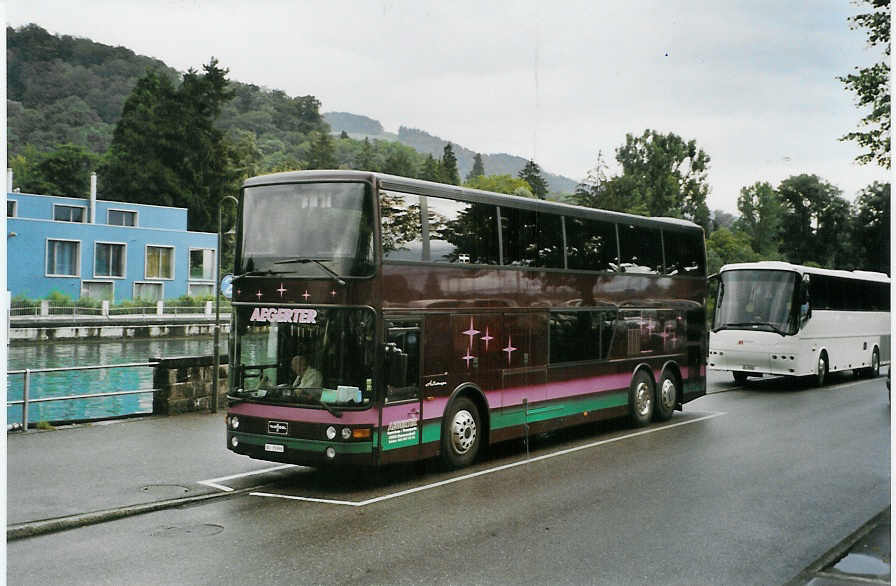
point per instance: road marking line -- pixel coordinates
(213, 482)
(486, 471)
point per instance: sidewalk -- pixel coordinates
(84, 474)
(87, 474)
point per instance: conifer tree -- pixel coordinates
(430, 170)
(448, 163)
(322, 155)
(478, 169)
(531, 174)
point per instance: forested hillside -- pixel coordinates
(64, 90)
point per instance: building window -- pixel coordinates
(159, 263)
(63, 258)
(68, 213)
(200, 290)
(102, 290)
(202, 264)
(11, 206)
(148, 291)
(121, 218)
(109, 260)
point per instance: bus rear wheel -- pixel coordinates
(666, 397)
(740, 377)
(461, 433)
(874, 370)
(641, 398)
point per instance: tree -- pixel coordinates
(365, 161)
(166, 148)
(872, 87)
(871, 228)
(399, 162)
(724, 247)
(449, 166)
(760, 218)
(813, 222)
(665, 175)
(478, 169)
(66, 170)
(321, 155)
(531, 174)
(598, 190)
(720, 219)
(500, 184)
(430, 170)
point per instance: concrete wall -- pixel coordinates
(185, 384)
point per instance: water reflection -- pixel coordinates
(59, 354)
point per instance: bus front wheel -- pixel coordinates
(461, 433)
(641, 398)
(740, 377)
(821, 371)
(874, 370)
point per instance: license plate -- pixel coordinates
(273, 448)
(749, 367)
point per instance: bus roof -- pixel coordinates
(774, 265)
(421, 187)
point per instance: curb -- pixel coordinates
(35, 528)
(838, 551)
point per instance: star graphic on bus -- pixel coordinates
(486, 337)
(258, 294)
(468, 357)
(509, 349)
(281, 290)
(306, 295)
(471, 332)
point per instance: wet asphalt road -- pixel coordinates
(747, 486)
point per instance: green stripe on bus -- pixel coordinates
(518, 416)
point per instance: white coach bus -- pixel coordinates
(781, 319)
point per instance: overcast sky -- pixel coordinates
(755, 83)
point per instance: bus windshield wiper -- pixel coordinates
(259, 274)
(332, 410)
(318, 262)
(773, 327)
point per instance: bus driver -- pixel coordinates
(306, 375)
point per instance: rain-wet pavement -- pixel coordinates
(862, 558)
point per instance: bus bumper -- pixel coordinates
(301, 452)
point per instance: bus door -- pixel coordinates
(523, 369)
(402, 408)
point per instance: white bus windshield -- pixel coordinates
(756, 300)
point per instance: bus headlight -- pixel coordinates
(331, 432)
(346, 433)
(234, 422)
(234, 442)
(331, 453)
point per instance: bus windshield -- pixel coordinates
(756, 300)
(317, 230)
(303, 356)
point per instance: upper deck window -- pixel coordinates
(401, 231)
(684, 253)
(532, 239)
(590, 244)
(640, 249)
(462, 232)
(293, 228)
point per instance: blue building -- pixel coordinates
(84, 247)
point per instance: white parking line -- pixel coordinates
(213, 482)
(482, 472)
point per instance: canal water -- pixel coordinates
(65, 353)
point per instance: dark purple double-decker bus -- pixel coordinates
(379, 319)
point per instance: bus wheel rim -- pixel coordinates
(463, 431)
(821, 367)
(642, 399)
(668, 394)
(875, 364)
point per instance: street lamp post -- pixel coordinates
(214, 401)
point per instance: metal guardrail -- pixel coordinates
(25, 401)
(75, 311)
